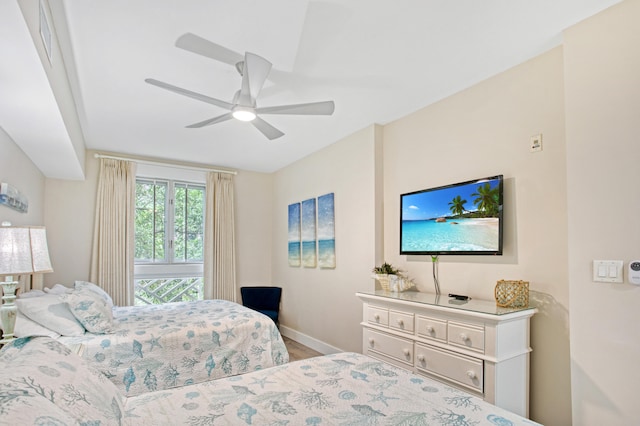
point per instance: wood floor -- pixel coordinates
(298, 351)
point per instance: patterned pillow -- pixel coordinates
(51, 312)
(85, 285)
(48, 384)
(93, 312)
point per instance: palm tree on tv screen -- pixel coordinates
(487, 199)
(457, 205)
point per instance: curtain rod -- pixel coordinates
(161, 164)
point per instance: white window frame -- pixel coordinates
(169, 269)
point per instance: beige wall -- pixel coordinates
(254, 213)
(320, 304)
(602, 62)
(484, 131)
(70, 210)
(18, 170)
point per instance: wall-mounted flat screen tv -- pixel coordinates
(463, 218)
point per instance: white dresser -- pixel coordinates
(473, 345)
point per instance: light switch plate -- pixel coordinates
(535, 143)
(607, 271)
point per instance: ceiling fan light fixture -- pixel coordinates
(243, 113)
(254, 70)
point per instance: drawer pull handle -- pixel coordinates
(406, 352)
(471, 374)
(464, 337)
(371, 341)
(430, 329)
(376, 317)
(400, 322)
(421, 358)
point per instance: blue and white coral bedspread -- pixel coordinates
(339, 389)
(159, 347)
(47, 384)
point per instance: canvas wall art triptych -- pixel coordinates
(312, 233)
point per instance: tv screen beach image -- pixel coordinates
(456, 218)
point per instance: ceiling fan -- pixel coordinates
(254, 70)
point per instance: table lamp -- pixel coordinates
(23, 250)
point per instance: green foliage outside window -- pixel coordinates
(189, 223)
(151, 198)
(152, 215)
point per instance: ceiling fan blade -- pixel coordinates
(267, 129)
(210, 121)
(313, 108)
(257, 68)
(189, 93)
(204, 47)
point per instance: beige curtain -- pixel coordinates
(112, 256)
(219, 238)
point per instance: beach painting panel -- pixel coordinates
(326, 232)
(294, 234)
(308, 227)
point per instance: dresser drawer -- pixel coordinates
(431, 328)
(467, 336)
(391, 346)
(461, 369)
(378, 316)
(401, 321)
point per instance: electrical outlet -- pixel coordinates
(535, 144)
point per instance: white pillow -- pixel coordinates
(51, 312)
(93, 312)
(32, 293)
(58, 289)
(25, 327)
(91, 286)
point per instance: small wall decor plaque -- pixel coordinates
(12, 198)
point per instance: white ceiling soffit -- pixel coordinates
(29, 112)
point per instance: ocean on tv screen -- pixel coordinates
(476, 234)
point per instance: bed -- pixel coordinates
(155, 347)
(49, 384)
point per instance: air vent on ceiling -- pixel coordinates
(45, 30)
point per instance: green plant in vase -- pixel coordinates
(392, 278)
(386, 269)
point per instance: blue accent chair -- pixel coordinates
(263, 299)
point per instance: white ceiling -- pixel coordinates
(378, 60)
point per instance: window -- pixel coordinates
(169, 233)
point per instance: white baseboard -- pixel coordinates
(314, 344)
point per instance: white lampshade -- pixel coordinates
(39, 250)
(23, 250)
